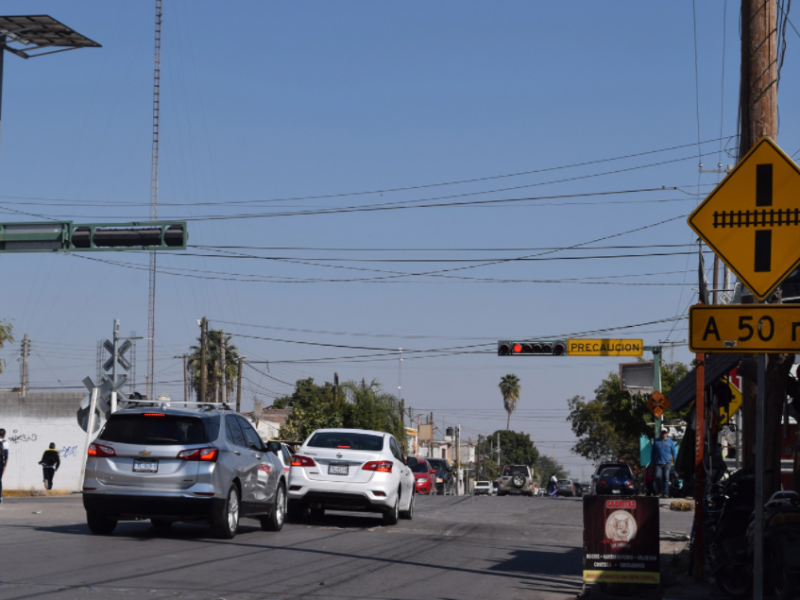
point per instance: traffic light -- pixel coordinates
(532, 348)
(66, 236)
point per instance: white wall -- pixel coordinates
(33, 422)
(27, 438)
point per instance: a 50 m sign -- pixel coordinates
(744, 328)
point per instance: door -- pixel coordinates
(243, 464)
(406, 477)
(261, 466)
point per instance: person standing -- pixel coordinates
(3, 459)
(50, 462)
(664, 452)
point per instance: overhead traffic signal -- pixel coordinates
(532, 348)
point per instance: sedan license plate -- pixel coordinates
(338, 470)
(145, 466)
(616, 491)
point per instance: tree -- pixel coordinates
(545, 466)
(213, 366)
(313, 407)
(610, 425)
(369, 407)
(516, 448)
(510, 388)
(6, 335)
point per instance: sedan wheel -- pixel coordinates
(391, 517)
(409, 514)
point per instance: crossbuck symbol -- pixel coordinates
(760, 218)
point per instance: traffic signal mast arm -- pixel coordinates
(66, 236)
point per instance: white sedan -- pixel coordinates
(352, 470)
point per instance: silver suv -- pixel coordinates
(515, 479)
(204, 464)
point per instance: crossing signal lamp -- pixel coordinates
(532, 348)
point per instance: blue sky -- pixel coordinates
(264, 101)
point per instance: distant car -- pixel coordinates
(445, 479)
(351, 470)
(566, 488)
(515, 479)
(424, 476)
(283, 452)
(592, 489)
(483, 488)
(182, 464)
(616, 480)
(579, 488)
(494, 488)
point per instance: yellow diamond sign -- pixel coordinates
(752, 218)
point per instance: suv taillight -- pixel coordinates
(381, 466)
(302, 461)
(200, 454)
(101, 450)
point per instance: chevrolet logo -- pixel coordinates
(145, 453)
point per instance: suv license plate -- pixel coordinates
(616, 491)
(145, 466)
(338, 470)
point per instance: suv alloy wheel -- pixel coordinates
(274, 520)
(226, 519)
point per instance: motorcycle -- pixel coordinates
(781, 543)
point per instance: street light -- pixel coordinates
(29, 36)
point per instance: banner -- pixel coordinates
(620, 540)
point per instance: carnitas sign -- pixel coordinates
(620, 540)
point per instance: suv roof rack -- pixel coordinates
(206, 406)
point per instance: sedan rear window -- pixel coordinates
(156, 429)
(564, 482)
(346, 440)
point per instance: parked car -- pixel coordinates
(182, 464)
(565, 488)
(424, 476)
(579, 487)
(283, 452)
(445, 478)
(616, 479)
(515, 479)
(494, 488)
(353, 470)
(483, 488)
(596, 474)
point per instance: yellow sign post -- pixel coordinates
(752, 218)
(604, 347)
(768, 328)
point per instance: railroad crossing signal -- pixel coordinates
(121, 360)
(658, 404)
(752, 218)
(768, 328)
(532, 348)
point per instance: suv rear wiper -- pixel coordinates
(161, 439)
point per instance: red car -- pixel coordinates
(424, 476)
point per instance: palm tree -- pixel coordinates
(213, 367)
(509, 387)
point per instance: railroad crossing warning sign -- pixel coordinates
(768, 328)
(752, 218)
(658, 404)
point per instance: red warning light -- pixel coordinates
(517, 348)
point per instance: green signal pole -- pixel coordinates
(656, 350)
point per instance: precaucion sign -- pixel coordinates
(604, 347)
(620, 540)
(768, 328)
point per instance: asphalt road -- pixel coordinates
(456, 548)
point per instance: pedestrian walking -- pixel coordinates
(650, 480)
(3, 459)
(552, 487)
(664, 452)
(50, 462)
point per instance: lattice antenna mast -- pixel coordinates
(151, 313)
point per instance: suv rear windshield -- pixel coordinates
(158, 429)
(347, 440)
(515, 471)
(438, 465)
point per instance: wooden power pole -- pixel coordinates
(203, 366)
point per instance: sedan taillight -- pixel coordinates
(381, 466)
(200, 454)
(302, 461)
(101, 450)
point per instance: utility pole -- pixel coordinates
(224, 365)
(403, 411)
(185, 380)
(758, 110)
(239, 385)
(430, 455)
(114, 365)
(498, 452)
(458, 458)
(203, 368)
(216, 381)
(26, 344)
(478, 454)
(335, 387)
(400, 373)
